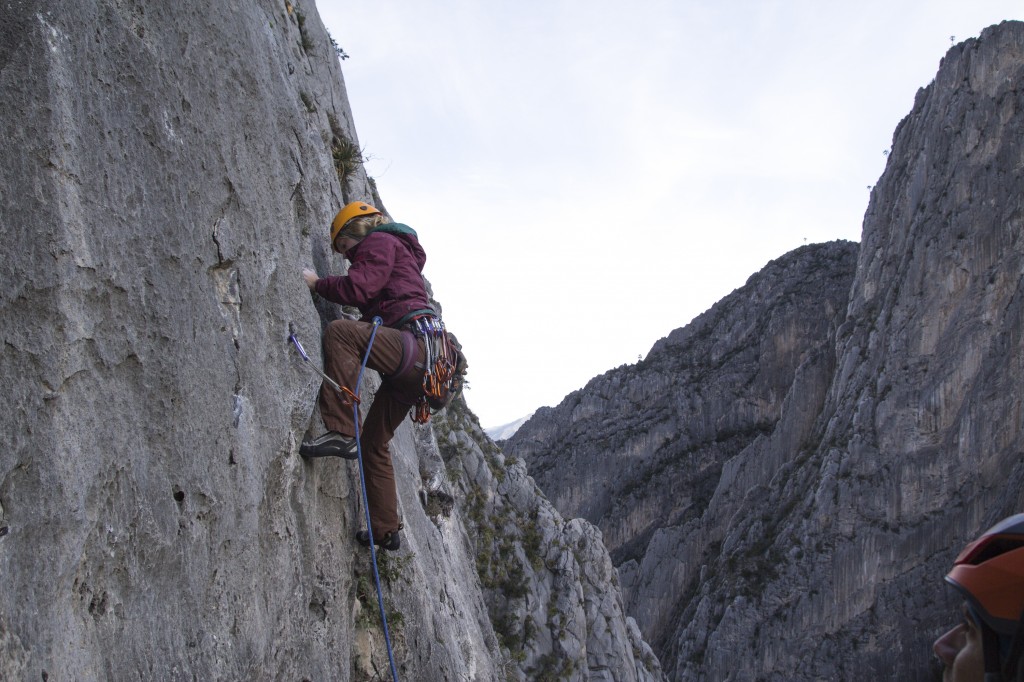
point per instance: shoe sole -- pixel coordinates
(393, 541)
(328, 446)
(327, 451)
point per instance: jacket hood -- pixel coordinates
(406, 235)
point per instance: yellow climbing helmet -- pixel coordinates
(353, 210)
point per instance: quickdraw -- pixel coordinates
(309, 363)
(440, 379)
(349, 398)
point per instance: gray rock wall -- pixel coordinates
(819, 550)
(644, 449)
(168, 169)
(550, 587)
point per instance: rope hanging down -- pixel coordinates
(362, 478)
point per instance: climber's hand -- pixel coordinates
(310, 278)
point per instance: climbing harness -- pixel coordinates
(445, 365)
(362, 478)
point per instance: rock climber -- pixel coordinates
(988, 644)
(383, 280)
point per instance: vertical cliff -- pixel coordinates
(643, 450)
(813, 547)
(168, 169)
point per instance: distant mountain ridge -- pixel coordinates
(499, 433)
(783, 482)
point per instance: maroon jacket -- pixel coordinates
(385, 276)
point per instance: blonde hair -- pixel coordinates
(359, 226)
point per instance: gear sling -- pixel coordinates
(443, 375)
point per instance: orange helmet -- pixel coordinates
(989, 573)
(352, 210)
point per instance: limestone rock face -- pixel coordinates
(642, 450)
(814, 544)
(549, 584)
(168, 170)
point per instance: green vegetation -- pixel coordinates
(347, 157)
(508, 550)
(391, 568)
(306, 42)
(434, 508)
(496, 467)
(551, 668)
(531, 536)
(337, 48)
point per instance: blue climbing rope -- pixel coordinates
(366, 504)
(362, 478)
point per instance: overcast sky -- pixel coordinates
(587, 176)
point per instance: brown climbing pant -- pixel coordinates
(345, 344)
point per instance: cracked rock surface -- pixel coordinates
(168, 170)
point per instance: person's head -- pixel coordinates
(352, 223)
(988, 644)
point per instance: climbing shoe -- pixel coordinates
(391, 542)
(331, 444)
